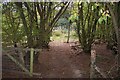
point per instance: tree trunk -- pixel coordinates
(78, 23)
(28, 33)
(44, 39)
(47, 22)
(87, 24)
(87, 48)
(68, 34)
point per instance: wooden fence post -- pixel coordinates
(31, 60)
(92, 69)
(20, 65)
(21, 57)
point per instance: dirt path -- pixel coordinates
(57, 63)
(60, 61)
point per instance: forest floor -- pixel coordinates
(61, 60)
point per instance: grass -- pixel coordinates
(62, 35)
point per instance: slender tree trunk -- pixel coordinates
(87, 24)
(78, 23)
(47, 22)
(68, 34)
(28, 33)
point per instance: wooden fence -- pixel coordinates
(94, 67)
(9, 51)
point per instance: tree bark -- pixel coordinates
(68, 38)
(78, 23)
(29, 37)
(87, 25)
(47, 22)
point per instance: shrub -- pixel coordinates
(73, 34)
(57, 33)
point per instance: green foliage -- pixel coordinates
(12, 30)
(103, 18)
(74, 35)
(27, 21)
(62, 22)
(33, 24)
(57, 33)
(73, 17)
(62, 35)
